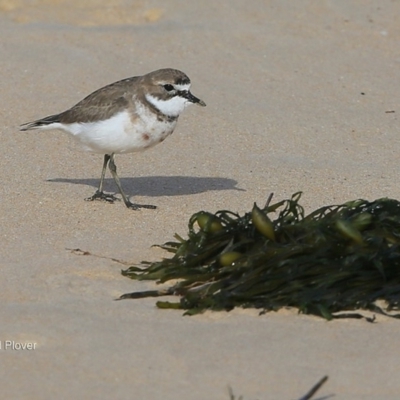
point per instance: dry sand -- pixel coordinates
(298, 97)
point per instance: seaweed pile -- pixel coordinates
(337, 259)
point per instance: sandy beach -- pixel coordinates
(300, 96)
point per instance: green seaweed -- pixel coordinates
(338, 258)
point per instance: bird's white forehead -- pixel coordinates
(183, 87)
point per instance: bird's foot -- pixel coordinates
(108, 197)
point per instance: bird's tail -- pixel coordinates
(41, 123)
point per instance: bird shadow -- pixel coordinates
(154, 186)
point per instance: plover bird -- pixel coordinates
(127, 116)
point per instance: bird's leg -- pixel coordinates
(113, 170)
(99, 194)
(103, 172)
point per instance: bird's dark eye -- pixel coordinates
(168, 87)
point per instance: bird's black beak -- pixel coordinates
(193, 99)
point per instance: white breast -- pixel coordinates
(122, 133)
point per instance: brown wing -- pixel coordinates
(101, 104)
